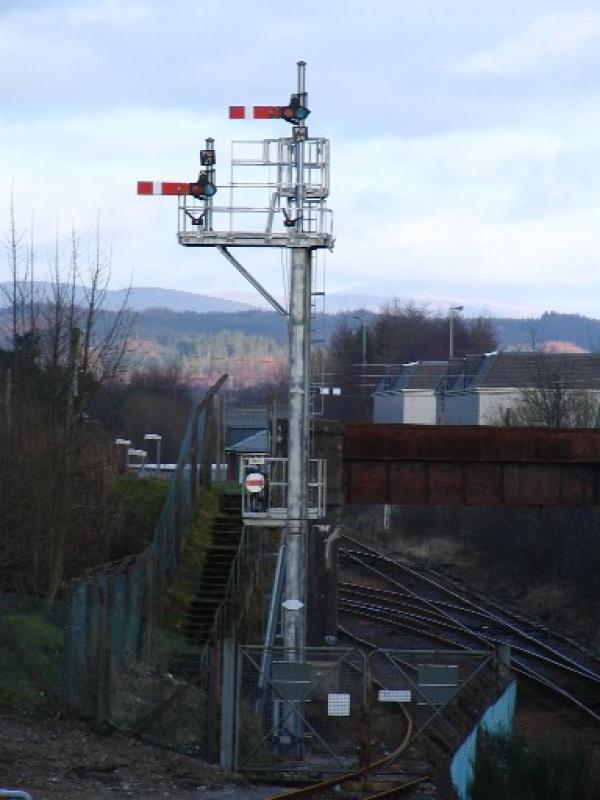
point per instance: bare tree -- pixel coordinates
(55, 473)
(556, 398)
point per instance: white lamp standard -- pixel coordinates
(155, 437)
(141, 454)
(453, 311)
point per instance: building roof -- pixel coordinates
(251, 417)
(524, 370)
(461, 372)
(417, 375)
(257, 443)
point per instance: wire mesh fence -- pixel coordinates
(310, 711)
(103, 651)
(31, 650)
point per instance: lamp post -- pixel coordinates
(453, 311)
(123, 461)
(155, 437)
(141, 454)
(363, 326)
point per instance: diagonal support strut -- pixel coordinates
(251, 279)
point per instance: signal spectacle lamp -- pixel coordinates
(203, 187)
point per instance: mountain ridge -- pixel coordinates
(139, 298)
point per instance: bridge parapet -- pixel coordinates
(471, 465)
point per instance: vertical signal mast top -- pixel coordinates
(287, 208)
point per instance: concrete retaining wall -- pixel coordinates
(498, 718)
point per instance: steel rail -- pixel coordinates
(580, 671)
(421, 606)
(330, 783)
(382, 763)
(523, 618)
(518, 666)
(426, 633)
(535, 677)
(353, 557)
(385, 593)
(376, 613)
(422, 574)
(446, 590)
(489, 637)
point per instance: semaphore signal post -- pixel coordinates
(284, 208)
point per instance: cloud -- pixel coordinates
(107, 11)
(441, 187)
(512, 211)
(551, 38)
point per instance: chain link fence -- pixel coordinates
(103, 652)
(310, 711)
(341, 709)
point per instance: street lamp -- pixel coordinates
(453, 312)
(155, 437)
(141, 454)
(123, 459)
(361, 319)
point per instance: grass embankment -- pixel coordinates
(31, 647)
(32, 630)
(142, 500)
(185, 580)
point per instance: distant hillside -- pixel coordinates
(141, 298)
(169, 326)
(550, 327)
(533, 332)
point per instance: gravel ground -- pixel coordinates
(56, 759)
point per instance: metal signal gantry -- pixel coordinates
(287, 209)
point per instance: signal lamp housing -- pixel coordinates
(203, 187)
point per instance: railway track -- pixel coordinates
(410, 608)
(421, 606)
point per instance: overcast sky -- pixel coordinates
(465, 136)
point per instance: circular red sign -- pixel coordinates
(255, 482)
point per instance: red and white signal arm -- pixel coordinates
(255, 482)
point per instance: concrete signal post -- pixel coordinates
(293, 215)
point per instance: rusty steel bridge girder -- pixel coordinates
(470, 465)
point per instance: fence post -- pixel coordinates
(207, 443)
(228, 703)
(213, 699)
(68, 670)
(129, 643)
(504, 660)
(147, 622)
(194, 460)
(102, 655)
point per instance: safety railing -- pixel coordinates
(256, 207)
(264, 488)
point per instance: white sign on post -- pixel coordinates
(394, 696)
(255, 482)
(338, 705)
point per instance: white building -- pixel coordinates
(408, 393)
(478, 390)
